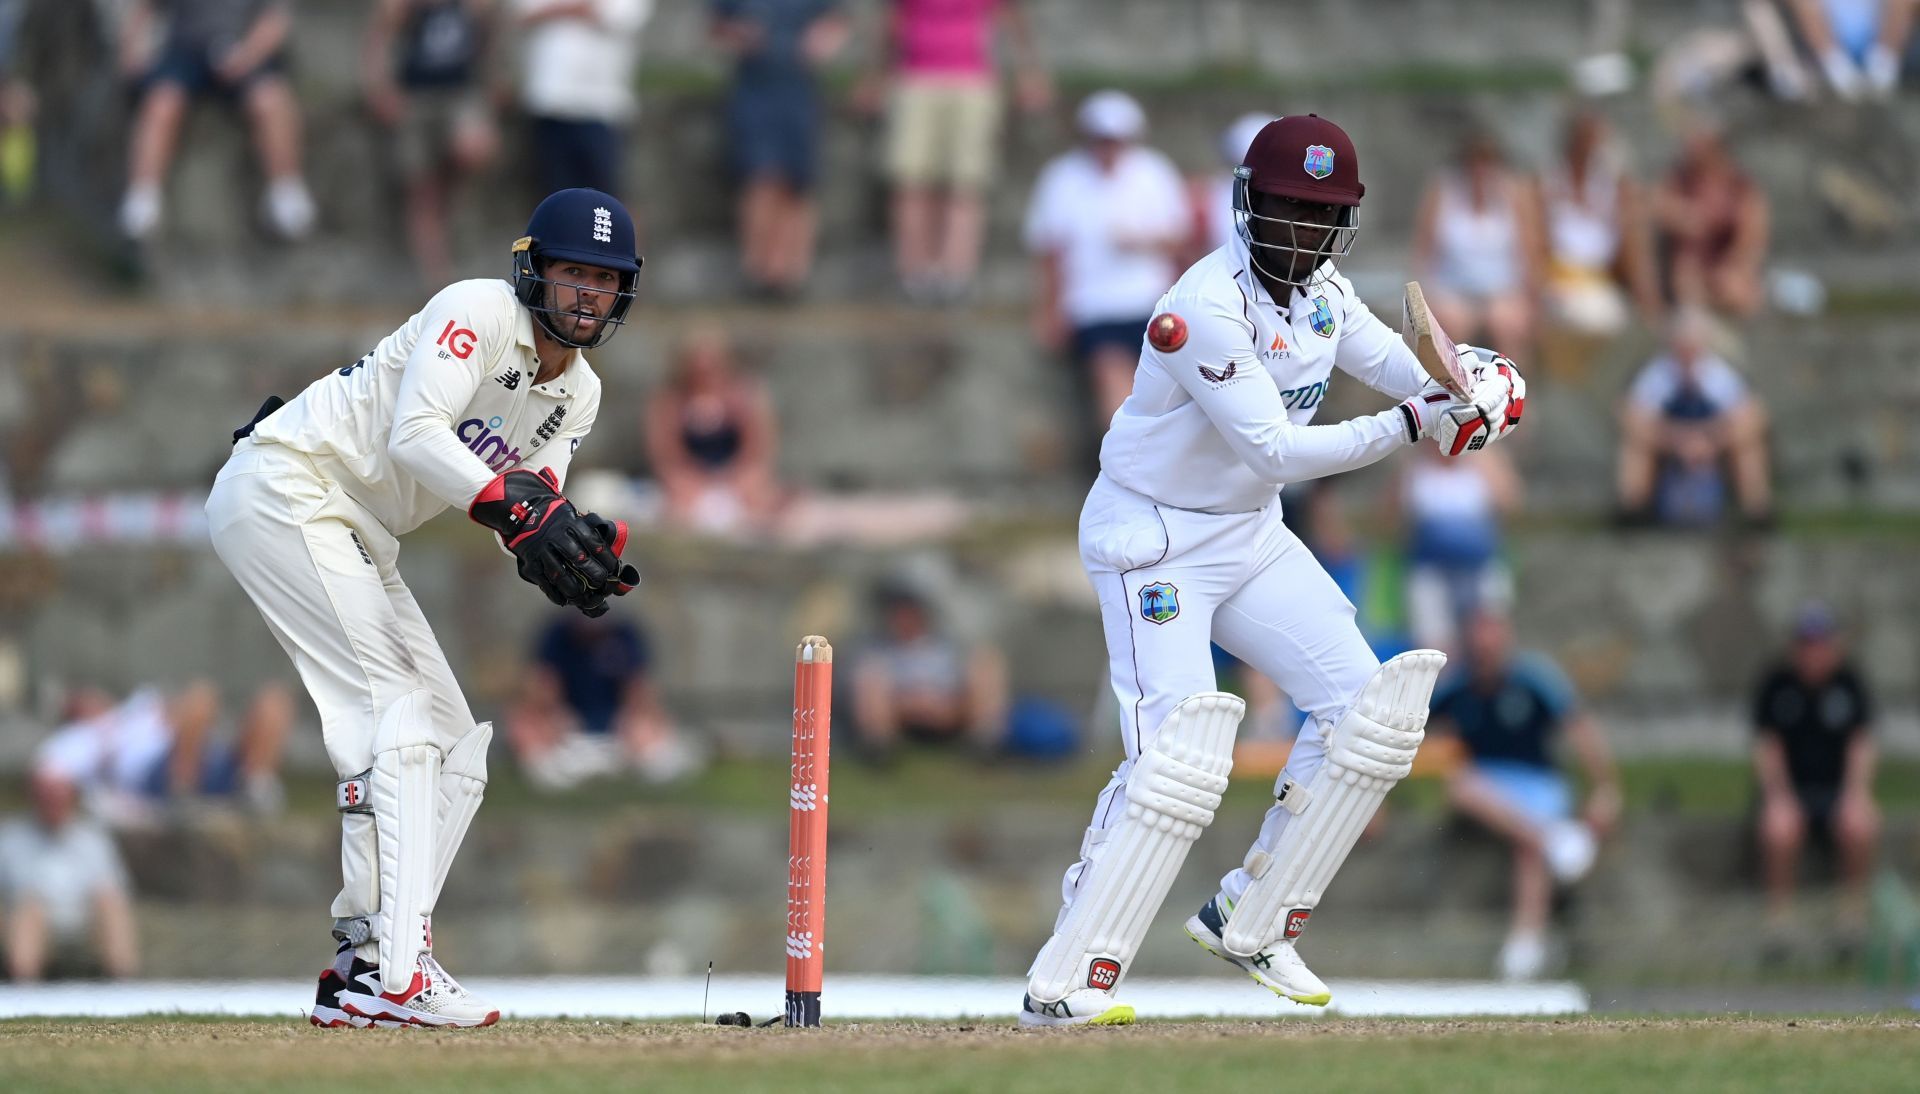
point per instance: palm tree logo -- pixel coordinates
(1159, 602)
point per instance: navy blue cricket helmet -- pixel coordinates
(579, 225)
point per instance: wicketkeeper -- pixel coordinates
(478, 401)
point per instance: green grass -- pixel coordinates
(1672, 1056)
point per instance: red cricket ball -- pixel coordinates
(1167, 332)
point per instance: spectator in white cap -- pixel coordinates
(1106, 224)
(1212, 194)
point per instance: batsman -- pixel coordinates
(1182, 539)
(478, 401)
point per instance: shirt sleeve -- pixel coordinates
(1862, 702)
(438, 383)
(100, 866)
(1373, 353)
(1554, 690)
(1218, 367)
(1722, 385)
(625, 16)
(1651, 389)
(1763, 699)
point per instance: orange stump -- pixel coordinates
(807, 831)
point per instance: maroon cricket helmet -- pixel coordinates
(1307, 157)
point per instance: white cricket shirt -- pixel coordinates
(1219, 422)
(582, 69)
(1110, 230)
(439, 408)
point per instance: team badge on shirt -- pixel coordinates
(1322, 318)
(1159, 602)
(1319, 162)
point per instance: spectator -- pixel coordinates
(1713, 223)
(1105, 224)
(942, 129)
(1213, 194)
(577, 87)
(712, 436)
(1858, 43)
(1813, 760)
(1452, 511)
(1599, 256)
(1687, 418)
(61, 880)
(1506, 709)
(422, 67)
(917, 682)
(588, 707)
(232, 49)
(17, 107)
(130, 760)
(1477, 245)
(773, 121)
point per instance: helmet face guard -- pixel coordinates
(1293, 264)
(564, 325)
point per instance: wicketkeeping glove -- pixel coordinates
(553, 546)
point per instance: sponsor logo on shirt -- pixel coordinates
(1219, 376)
(1277, 349)
(455, 340)
(510, 379)
(491, 447)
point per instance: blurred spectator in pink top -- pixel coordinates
(936, 66)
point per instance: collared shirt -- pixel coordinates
(582, 69)
(1218, 422)
(64, 871)
(1109, 229)
(439, 408)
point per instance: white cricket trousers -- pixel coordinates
(323, 572)
(1171, 581)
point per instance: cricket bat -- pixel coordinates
(1422, 334)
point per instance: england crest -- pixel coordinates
(1322, 318)
(1159, 602)
(1319, 161)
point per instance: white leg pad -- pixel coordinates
(405, 792)
(1370, 750)
(463, 782)
(1171, 793)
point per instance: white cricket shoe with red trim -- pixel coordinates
(432, 998)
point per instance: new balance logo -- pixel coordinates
(510, 379)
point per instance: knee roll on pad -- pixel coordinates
(1370, 750)
(1172, 792)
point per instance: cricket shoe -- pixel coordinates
(1277, 968)
(1082, 1007)
(431, 998)
(327, 1011)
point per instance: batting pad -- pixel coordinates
(1172, 792)
(463, 782)
(1371, 749)
(405, 793)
